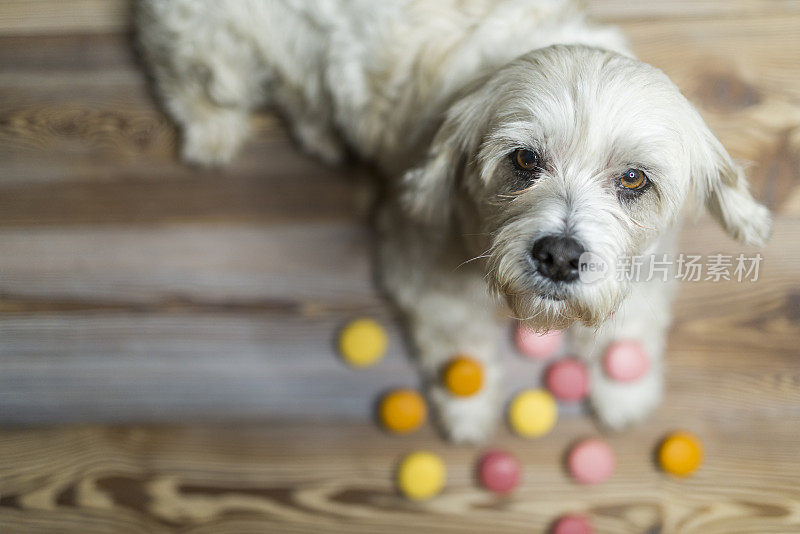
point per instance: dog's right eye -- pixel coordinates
(525, 160)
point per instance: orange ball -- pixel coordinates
(680, 454)
(402, 411)
(463, 376)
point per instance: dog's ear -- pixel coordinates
(429, 190)
(722, 186)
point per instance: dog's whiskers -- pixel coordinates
(483, 255)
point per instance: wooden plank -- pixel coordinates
(191, 365)
(246, 196)
(314, 262)
(122, 366)
(49, 17)
(281, 477)
(622, 10)
(37, 17)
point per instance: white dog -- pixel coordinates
(513, 133)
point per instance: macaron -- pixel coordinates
(536, 345)
(680, 454)
(591, 461)
(421, 475)
(402, 411)
(568, 380)
(625, 361)
(499, 471)
(362, 342)
(532, 413)
(572, 524)
(463, 376)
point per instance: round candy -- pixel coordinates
(572, 524)
(463, 376)
(568, 380)
(362, 342)
(499, 471)
(533, 413)
(535, 345)
(402, 411)
(625, 361)
(680, 454)
(421, 475)
(591, 461)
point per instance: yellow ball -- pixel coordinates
(362, 343)
(463, 376)
(680, 454)
(533, 413)
(421, 475)
(402, 411)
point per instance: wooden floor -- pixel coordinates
(166, 335)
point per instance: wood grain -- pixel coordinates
(136, 290)
(331, 477)
(49, 17)
(24, 17)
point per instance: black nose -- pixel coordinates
(557, 257)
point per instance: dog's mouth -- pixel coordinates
(555, 296)
(549, 290)
(544, 309)
(552, 305)
(545, 303)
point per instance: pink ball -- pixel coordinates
(499, 471)
(568, 380)
(535, 345)
(572, 524)
(591, 461)
(625, 361)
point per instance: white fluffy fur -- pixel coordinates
(437, 93)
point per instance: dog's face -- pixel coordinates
(569, 151)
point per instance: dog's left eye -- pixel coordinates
(525, 160)
(633, 180)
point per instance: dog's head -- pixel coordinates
(571, 150)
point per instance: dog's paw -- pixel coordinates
(214, 141)
(464, 419)
(618, 405)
